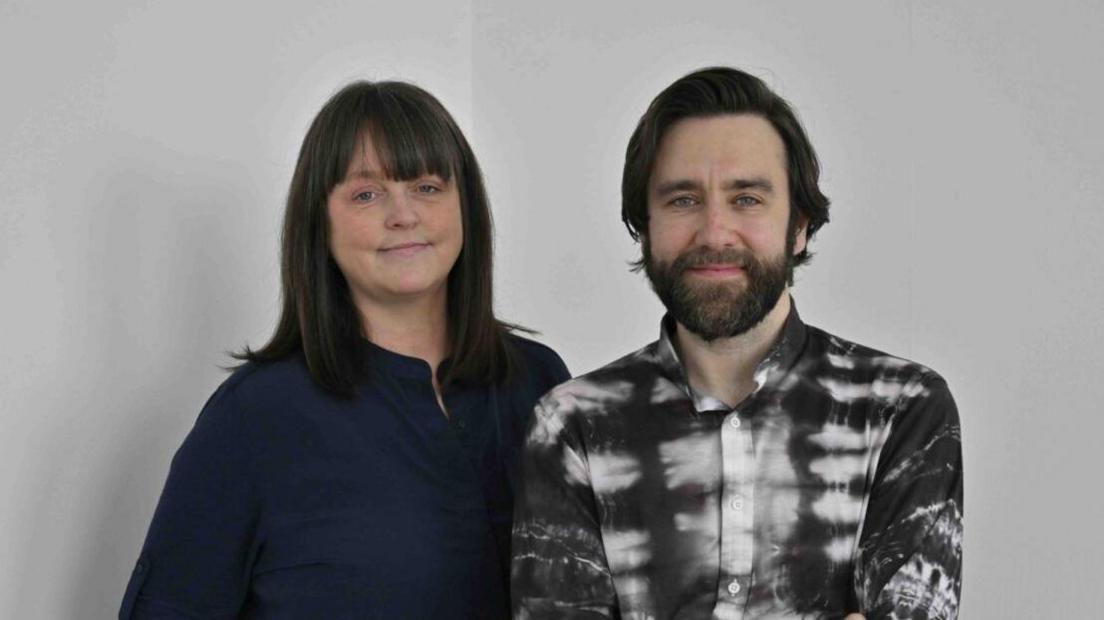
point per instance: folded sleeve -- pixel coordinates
(196, 559)
(559, 566)
(909, 562)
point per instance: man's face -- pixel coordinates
(718, 249)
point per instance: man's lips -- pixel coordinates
(404, 249)
(716, 270)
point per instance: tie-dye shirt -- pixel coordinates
(834, 487)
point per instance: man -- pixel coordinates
(745, 465)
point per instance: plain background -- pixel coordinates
(145, 151)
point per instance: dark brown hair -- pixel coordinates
(713, 92)
(413, 135)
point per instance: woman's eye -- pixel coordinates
(428, 188)
(366, 196)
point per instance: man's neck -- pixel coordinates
(725, 368)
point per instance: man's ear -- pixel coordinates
(640, 263)
(801, 236)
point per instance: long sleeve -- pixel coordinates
(196, 559)
(910, 553)
(559, 565)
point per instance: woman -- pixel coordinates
(360, 464)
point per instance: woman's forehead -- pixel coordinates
(384, 152)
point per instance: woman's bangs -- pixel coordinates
(411, 141)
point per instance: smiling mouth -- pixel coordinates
(404, 249)
(717, 270)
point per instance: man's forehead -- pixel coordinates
(742, 144)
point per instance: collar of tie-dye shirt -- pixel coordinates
(834, 487)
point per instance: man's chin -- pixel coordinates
(704, 288)
(715, 276)
(719, 313)
(708, 320)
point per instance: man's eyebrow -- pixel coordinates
(762, 184)
(678, 185)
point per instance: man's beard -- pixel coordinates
(715, 310)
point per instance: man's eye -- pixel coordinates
(683, 201)
(747, 201)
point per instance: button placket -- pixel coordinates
(737, 508)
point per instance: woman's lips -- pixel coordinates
(405, 249)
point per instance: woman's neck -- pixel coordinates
(417, 328)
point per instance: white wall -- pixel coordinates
(962, 149)
(146, 149)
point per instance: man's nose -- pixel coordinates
(718, 227)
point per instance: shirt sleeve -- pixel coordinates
(196, 559)
(559, 566)
(909, 562)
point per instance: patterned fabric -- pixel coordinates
(835, 487)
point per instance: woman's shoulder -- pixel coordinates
(538, 363)
(258, 385)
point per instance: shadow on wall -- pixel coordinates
(164, 288)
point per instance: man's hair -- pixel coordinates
(413, 135)
(711, 92)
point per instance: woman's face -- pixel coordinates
(395, 241)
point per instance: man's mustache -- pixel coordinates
(702, 257)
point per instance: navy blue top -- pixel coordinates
(287, 502)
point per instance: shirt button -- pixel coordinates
(734, 587)
(462, 424)
(734, 421)
(736, 503)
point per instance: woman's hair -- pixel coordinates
(413, 135)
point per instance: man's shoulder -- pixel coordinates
(605, 388)
(852, 370)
